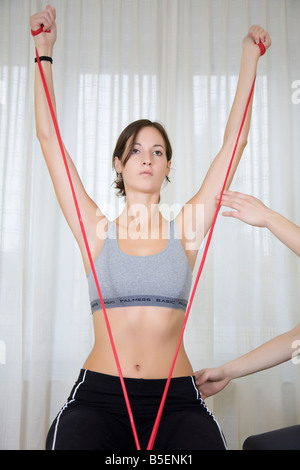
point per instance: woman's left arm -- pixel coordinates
(215, 176)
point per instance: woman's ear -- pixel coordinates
(168, 168)
(118, 165)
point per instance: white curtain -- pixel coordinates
(175, 61)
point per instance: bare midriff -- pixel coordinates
(146, 339)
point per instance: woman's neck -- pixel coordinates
(142, 217)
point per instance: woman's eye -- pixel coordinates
(135, 151)
(158, 153)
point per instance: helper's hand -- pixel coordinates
(210, 381)
(248, 209)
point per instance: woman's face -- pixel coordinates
(147, 166)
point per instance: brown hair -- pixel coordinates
(130, 132)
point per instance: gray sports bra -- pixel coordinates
(160, 280)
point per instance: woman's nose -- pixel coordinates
(147, 160)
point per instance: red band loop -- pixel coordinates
(38, 31)
(262, 48)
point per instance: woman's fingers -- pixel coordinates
(257, 33)
(45, 19)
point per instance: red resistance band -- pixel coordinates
(38, 31)
(159, 414)
(262, 48)
(88, 250)
(160, 410)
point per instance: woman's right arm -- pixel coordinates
(44, 43)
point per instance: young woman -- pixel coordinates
(144, 264)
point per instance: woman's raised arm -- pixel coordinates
(215, 176)
(44, 43)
